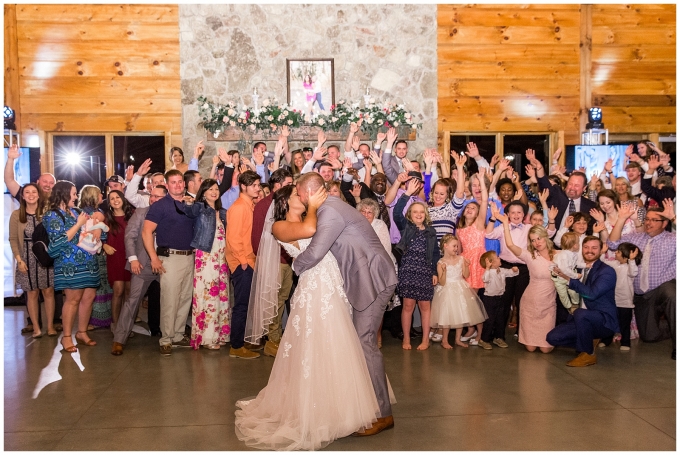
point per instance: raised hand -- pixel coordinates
(654, 162)
(224, 156)
(597, 215)
(380, 138)
(557, 153)
(246, 162)
(353, 128)
(391, 136)
(634, 254)
(510, 173)
(494, 160)
(337, 165)
(480, 176)
(199, 149)
(145, 167)
(608, 165)
(402, 177)
(215, 160)
(581, 170)
(552, 213)
(531, 156)
(413, 187)
(374, 157)
(569, 221)
(319, 153)
(321, 138)
(347, 163)
(668, 209)
(543, 196)
(407, 164)
(279, 148)
(503, 165)
(459, 159)
(285, 132)
(629, 151)
(472, 150)
(129, 172)
(356, 190)
(13, 152)
(427, 157)
(258, 157)
(530, 171)
(598, 227)
(271, 166)
(356, 142)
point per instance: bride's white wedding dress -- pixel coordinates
(319, 389)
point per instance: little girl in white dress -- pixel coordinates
(455, 305)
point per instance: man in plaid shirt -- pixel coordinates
(655, 283)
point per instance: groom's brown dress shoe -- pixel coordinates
(383, 423)
(583, 360)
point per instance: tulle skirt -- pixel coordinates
(455, 305)
(319, 389)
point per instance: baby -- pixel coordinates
(566, 259)
(87, 241)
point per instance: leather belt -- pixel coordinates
(181, 252)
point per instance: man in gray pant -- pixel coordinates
(140, 266)
(368, 275)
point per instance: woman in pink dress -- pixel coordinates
(537, 306)
(471, 235)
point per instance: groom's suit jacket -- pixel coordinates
(366, 268)
(598, 293)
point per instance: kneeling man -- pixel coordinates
(596, 316)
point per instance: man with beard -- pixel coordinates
(596, 316)
(376, 191)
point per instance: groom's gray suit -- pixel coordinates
(368, 274)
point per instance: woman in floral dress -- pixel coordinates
(210, 323)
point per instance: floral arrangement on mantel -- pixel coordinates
(273, 115)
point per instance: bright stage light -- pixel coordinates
(72, 158)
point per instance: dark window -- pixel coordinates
(80, 159)
(134, 150)
(517, 145)
(486, 145)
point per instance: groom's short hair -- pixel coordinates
(310, 181)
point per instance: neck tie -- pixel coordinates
(384, 214)
(586, 271)
(572, 206)
(644, 266)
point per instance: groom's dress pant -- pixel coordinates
(138, 286)
(367, 323)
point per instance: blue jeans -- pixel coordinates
(241, 280)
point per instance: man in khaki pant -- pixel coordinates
(278, 179)
(173, 259)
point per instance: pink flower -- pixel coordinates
(199, 263)
(223, 298)
(214, 291)
(196, 342)
(200, 320)
(223, 269)
(223, 285)
(226, 330)
(193, 302)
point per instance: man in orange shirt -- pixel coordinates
(241, 259)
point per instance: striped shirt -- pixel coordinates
(444, 217)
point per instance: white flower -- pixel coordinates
(265, 103)
(401, 106)
(407, 115)
(206, 106)
(395, 123)
(242, 115)
(321, 121)
(216, 134)
(285, 113)
(225, 119)
(230, 112)
(334, 119)
(270, 117)
(290, 122)
(232, 123)
(252, 127)
(369, 120)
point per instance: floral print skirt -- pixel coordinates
(210, 320)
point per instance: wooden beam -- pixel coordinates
(634, 100)
(586, 46)
(12, 95)
(108, 153)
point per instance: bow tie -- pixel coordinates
(516, 226)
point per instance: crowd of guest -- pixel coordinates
(575, 261)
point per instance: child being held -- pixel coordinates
(566, 259)
(494, 288)
(87, 240)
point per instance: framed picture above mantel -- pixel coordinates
(311, 85)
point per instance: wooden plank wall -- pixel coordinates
(634, 65)
(99, 68)
(518, 67)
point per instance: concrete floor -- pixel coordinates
(464, 399)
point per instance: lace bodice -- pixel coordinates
(454, 272)
(292, 251)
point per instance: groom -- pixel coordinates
(368, 274)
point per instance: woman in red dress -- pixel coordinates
(117, 216)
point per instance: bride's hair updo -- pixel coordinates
(281, 197)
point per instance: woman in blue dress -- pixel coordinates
(76, 271)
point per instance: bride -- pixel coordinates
(319, 389)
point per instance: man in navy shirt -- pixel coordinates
(173, 259)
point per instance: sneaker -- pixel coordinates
(484, 345)
(464, 339)
(185, 342)
(473, 342)
(166, 349)
(500, 343)
(516, 336)
(243, 353)
(437, 337)
(625, 348)
(271, 348)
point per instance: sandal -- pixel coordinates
(88, 342)
(27, 329)
(71, 348)
(212, 347)
(37, 335)
(51, 333)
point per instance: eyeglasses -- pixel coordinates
(653, 219)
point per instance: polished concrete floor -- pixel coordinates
(464, 399)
